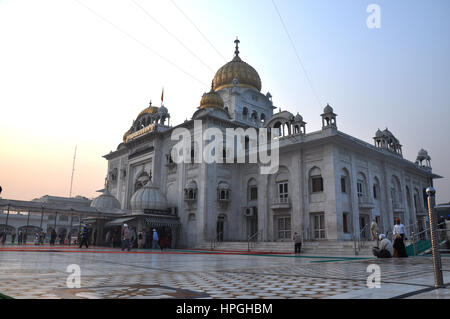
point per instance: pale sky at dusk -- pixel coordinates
(78, 73)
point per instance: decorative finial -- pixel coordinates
(150, 103)
(237, 46)
(212, 85)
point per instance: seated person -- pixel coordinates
(386, 250)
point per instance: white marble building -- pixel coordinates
(328, 186)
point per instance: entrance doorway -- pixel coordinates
(364, 221)
(318, 222)
(220, 228)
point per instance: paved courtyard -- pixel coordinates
(41, 272)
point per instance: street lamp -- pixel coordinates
(437, 265)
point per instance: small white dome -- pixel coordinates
(105, 201)
(328, 109)
(148, 197)
(298, 118)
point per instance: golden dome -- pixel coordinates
(149, 110)
(211, 100)
(237, 69)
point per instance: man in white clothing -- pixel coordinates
(386, 249)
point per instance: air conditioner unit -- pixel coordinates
(249, 211)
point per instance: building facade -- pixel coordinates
(328, 185)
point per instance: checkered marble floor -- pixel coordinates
(43, 275)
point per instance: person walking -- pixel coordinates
(20, 238)
(13, 238)
(374, 229)
(155, 239)
(297, 243)
(53, 237)
(141, 239)
(3, 237)
(84, 237)
(36, 238)
(386, 250)
(125, 237)
(108, 238)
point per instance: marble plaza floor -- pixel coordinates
(41, 272)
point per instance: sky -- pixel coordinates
(75, 73)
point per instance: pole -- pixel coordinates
(7, 216)
(437, 265)
(70, 230)
(28, 224)
(42, 217)
(73, 170)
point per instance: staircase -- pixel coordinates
(317, 248)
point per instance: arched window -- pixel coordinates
(223, 192)
(361, 185)
(316, 180)
(345, 181)
(190, 191)
(245, 113)
(376, 189)
(252, 190)
(263, 118)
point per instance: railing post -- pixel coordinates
(437, 265)
(414, 243)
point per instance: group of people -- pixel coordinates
(129, 240)
(387, 249)
(38, 237)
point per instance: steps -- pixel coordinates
(320, 248)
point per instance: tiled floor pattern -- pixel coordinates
(43, 275)
(393, 270)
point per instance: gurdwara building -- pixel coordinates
(328, 185)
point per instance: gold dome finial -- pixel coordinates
(236, 52)
(236, 69)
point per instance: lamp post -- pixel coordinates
(437, 265)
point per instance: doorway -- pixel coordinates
(364, 221)
(220, 228)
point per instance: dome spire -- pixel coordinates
(236, 52)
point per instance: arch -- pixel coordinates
(263, 118)
(345, 181)
(221, 227)
(376, 189)
(223, 191)
(252, 189)
(315, 180)
(190, 191)
(361, 185)
(254, 116)
(282, 174)
(245, 113)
